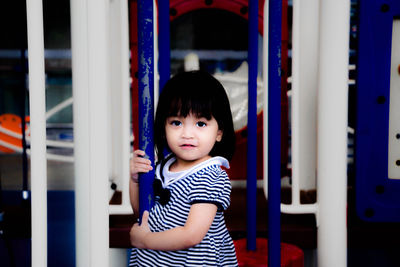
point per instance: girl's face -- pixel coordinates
(191, 139)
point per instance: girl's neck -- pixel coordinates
(183, 165)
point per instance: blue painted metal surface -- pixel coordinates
(146, 99)
(274, 133)
(164, 45)
(251, 186)
(377, 196)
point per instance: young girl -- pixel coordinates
(186, 226)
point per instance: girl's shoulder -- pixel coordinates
(214, 165)
(212, 175)
(210, 185)
(212, 171)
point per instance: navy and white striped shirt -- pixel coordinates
(204, 183)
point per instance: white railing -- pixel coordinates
(92, 23)
(303, 105)
(38, 132)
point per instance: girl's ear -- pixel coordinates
(219, 135)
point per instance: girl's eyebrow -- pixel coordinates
(203, 118)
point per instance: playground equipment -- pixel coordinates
(331, 124)
(11, 134)
(92, 77)
(378, 128)
(326, 111)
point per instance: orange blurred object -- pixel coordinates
(12, 123)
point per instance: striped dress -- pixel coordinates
(204, 183)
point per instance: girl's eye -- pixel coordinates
(201, 124)
(175, 123)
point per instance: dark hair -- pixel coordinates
(199, 93)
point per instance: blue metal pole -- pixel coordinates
(164, 42)
(146, 99)
(274, 134)
(252, 126)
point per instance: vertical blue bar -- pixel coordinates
(252, 126)
(274, 134)
(164, 42)
(146, 99)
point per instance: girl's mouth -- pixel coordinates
(187, 146)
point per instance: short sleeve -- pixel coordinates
(211, 185)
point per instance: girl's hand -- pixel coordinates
(139, 164)
(138, 232)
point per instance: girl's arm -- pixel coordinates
(198, 223)
(138, 164)
(134, 195)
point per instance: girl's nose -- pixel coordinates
(187, 132)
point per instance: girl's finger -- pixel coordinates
(141, 166)
(145, 217)
(139, 152)
(141, 163)
(141, 160)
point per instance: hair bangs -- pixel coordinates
(183, 105)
